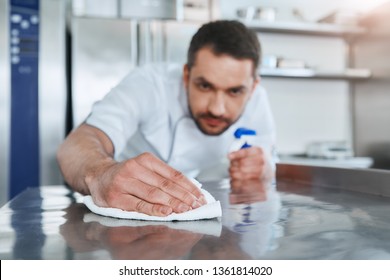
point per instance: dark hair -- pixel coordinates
(226, 37)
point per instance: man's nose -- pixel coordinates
(217, 104)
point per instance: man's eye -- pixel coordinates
(204, 86)
(236, 91)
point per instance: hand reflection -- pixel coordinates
(74, 229)
(153, 241)
(144, 242)
(248, 191)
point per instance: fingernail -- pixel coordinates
(166, 210)
(183, 208)
(196, 204)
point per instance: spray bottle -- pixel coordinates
(243, 139)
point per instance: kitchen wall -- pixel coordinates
(308, 110)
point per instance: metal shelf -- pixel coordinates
(348, 74)
(306, 28)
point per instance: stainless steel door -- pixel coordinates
(103, 51)
(52, 88)
(4, 100)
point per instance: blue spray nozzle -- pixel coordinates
(243, 131)
(246, 145)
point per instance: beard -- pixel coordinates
(224, 123)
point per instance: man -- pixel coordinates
(162, 122)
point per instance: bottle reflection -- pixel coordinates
(253, 211)
(241, 197)
(250, 211)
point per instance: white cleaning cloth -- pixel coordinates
(208, 211)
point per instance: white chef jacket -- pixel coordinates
(148, 112)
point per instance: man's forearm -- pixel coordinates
(85, 151)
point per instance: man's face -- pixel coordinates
(218, 89)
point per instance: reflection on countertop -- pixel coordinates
(260, 221)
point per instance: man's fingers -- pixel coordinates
(247, 169)
(129, 202)
(158, 189)
(243, 175)
(155, 195)
(253, 171)
(180, 181)
(247, 163)
(244, 153)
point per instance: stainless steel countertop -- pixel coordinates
(297, 219)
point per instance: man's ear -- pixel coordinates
(256, 82)
(186, 75)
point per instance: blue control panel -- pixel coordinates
(24, 57)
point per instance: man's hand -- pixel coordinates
(143, 184)
(249, 163)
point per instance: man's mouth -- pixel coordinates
(213, 122)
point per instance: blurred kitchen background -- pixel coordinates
(326, 67)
